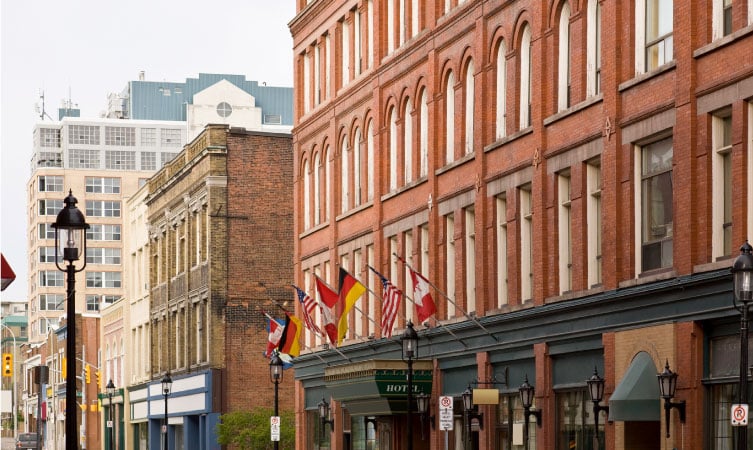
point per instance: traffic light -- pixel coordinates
(99, 380)
(7, 364)
(65, 368)
(87, 374)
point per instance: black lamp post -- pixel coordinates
(275, 374)
(596, 390)
(742, 279)
(471, 413)
(167, 384)
(71, 221)
(410, 351)
(110, 391)
(667, 386)
(324, 418)
(527, 393)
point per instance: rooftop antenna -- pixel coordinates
(42, 112)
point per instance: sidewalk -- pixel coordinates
(7, 443)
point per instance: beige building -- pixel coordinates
(102, 161)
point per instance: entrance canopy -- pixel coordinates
(377, 387)
(637, 396)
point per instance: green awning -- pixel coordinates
(637, 396)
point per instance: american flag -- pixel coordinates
(308, 305)
(390, 304)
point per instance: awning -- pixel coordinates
(637, 396)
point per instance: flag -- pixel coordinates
(275, 331)
(307, 304)
(425, 306)
(390, 304)
(7, 273)
(329, 300)
(289, 343)
(350, 290)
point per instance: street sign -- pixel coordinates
(274, 423)
(739, 415)
(109, 424)
(445, 413)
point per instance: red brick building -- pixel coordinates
(220, 221)
(573, 177)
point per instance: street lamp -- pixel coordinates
(667, 386)
(596, 390)
(324, 418)
(422, 401)
(527, 393)
(410, 351)
(275, 374)
(742, 280)
(110, 424)
(167, 384)
(71, 221)
(470, 413)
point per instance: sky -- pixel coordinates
(83, 50)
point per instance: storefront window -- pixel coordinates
(575, 421)
(363, 433)
(510, 426)
(317, 438)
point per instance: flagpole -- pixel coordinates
(313, 352)
(354, 306)
(414, 303)
(474, 319)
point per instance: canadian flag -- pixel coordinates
(425, 306)
(275, 332)
(7, 273)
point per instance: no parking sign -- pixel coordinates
(739, 415)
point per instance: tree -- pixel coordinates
(251, 429)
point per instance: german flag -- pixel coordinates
(350, 290)
(289, 340)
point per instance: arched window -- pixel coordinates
(369, 162)
(469, 105)
(393, 149)
(423, 125)
(449, 119)
(344, 169)
(317, 189)
(327, 182)
(501, 90)
(408, 142)
(525, 78)
(563, 65)
(306, 195)
(593, 50)
(357, 168)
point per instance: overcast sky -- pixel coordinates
(86, 49)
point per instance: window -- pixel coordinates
(344, 169)
(501, 96)
(722, 18)
(565, 233)
(345, 49)
(370, 162)
(327, 182)
(92, 302)
(83, 134)
(317, 81)
(593, 219)
(657, 46)
(120, 160)
(563, 65)
(450, 258)
(526, 243)
(49, 207)
(50, 159)
(575, 423)
(510, 416)
(83, 159)
(306, 196)
(423, 135)
(593, 50)
(525, 78)
(170, 137)
(51, 302)
(102, 208)
(51, 278)
(370, 32)
(102, 185)
(469, 106)
(166, 157)
(391, 25)
(656, 205)
(148, 137)
(449, 96)
(327, 65)
(224, 109)
(120, 136)
(46, 231)
(103, 279)
(50, 183)
(407, 142)
(393, 149)
(317, 169)
(101, 232)
(501, 232)
(721, 175)
(148, 161)
(47, 255)
(357, 166)
(470, 259)
(723, 364)
(99, 255)
(49, 137)
(306, 83)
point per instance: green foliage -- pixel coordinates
(251, 429)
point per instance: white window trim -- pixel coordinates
(502, 284)
(414, 18)
(717, 187)
(357, 187)
(345, 52)
(717, 19)
(640, 37)
(470, 260)
(564, 225)
(450, 258)
(316, 168)
(306, 83)
(306, 196)
(563, 62)
(393, 149)
(357, 42)
(525, 77)
(408, 142)
(450, 119)
(526, 243)
(327, 65)
(391, 26)
(344, 180)
(469, 107)
(593, 176)
(317, 81)
(593, 41)
(370, 33)
(370, 162)
(501, 90)
(327, 182)
(424, 135)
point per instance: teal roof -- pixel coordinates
(15, 321)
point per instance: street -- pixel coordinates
(7, 443)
